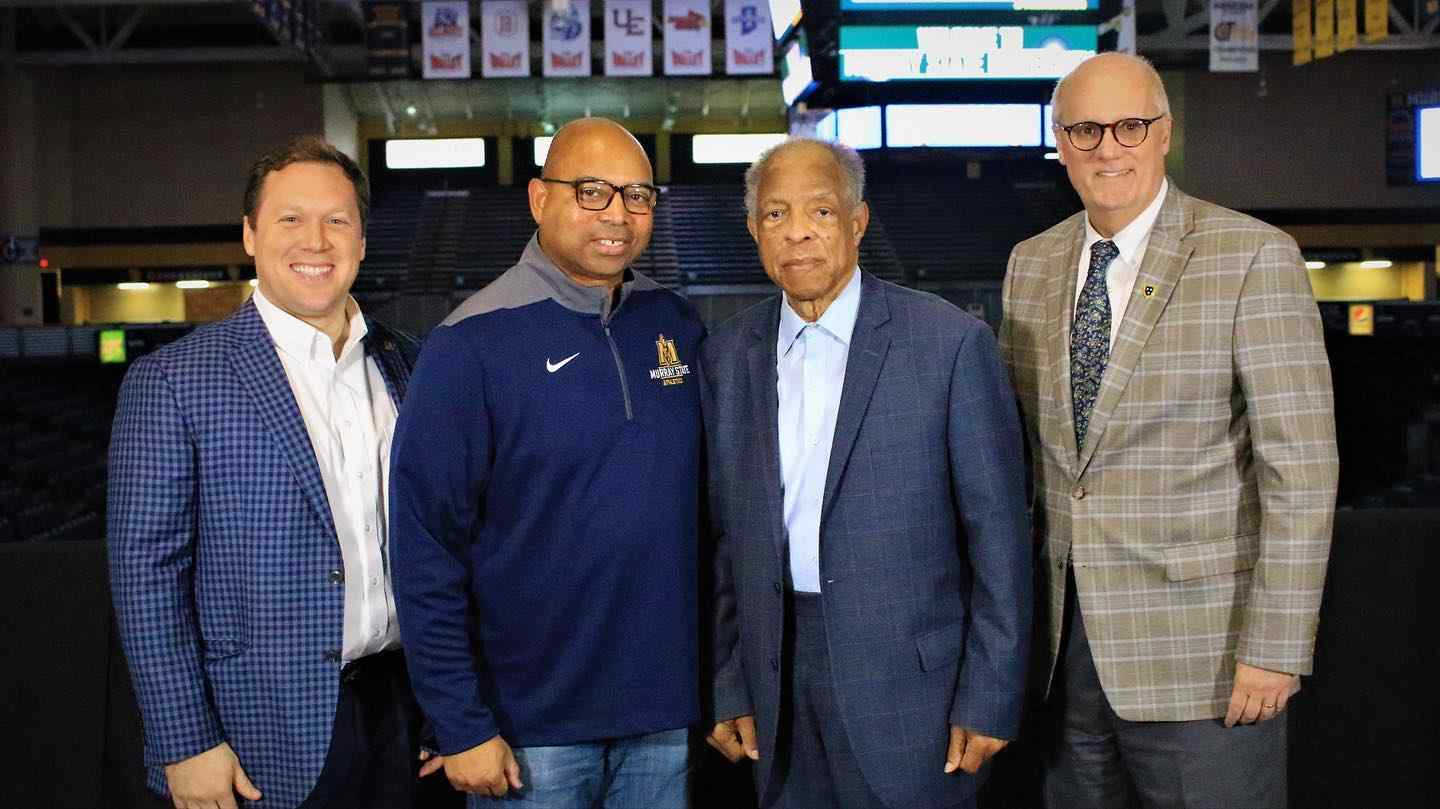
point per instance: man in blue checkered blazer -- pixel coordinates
(247, 529)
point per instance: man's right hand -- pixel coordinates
(735, 738)
(485, 769)
(209, 780)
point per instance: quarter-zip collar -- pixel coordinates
(591, 300)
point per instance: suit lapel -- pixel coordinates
(766, 412)
(1165, 260)
(1060, 312)
(263, 377)
(868, 346)
(381, 346)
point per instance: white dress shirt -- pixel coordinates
(1132, 242)
(350, 418)
(810, 363)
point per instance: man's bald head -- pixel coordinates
(1111, 68)
(580, 140)
(592, 247)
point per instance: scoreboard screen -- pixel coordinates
(969, 5)
(877, 53)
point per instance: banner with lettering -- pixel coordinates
(1300, 30)
(1345, 25)
(749, 40)
(1324, 28)
(687, 37)
(567, 38)
(1234, 39)
(1377, 20)
(445, 39)
(628, 42)
(504, 39)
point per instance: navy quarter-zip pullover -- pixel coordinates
(544, 508)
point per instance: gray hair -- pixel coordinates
(852, 170)
(1157, 87)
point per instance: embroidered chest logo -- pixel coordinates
(671, 370)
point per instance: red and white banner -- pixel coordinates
(628, 50)
(687, 37)
(567, 38)
(749, 40)
(445, 39)
(504, 38)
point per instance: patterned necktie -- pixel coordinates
(1090, 338)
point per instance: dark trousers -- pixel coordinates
(374, 748)
(1096, 760)
(815, 767)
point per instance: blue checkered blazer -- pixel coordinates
(221, 544)
(925, 552)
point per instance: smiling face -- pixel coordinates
(1115, 182)
(307, 242)
(806, 227)
(593, 248)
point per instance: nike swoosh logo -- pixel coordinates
(552, 367)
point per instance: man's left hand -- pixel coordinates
(969, 750)
(433, 762)
(1259, 695)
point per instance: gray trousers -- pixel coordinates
(1096, 760)
(814, 765)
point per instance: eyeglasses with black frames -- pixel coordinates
(1128, 132)
(595, 194)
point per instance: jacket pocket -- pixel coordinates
(941, 647)
(1212, 557)
(220, 649)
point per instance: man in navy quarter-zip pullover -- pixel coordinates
(545, 503)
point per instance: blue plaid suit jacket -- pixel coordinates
(925, 551)
(221, 542)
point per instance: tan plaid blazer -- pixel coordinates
(1197, 516)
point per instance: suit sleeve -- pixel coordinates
(439, 469)
(151, 538)
(1280, 362)
(987, 475)
(729, 693)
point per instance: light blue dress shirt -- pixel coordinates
(810, 368)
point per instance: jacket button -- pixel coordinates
(774, 664)
(336, 576)
(1079, 493)
(779, 590)
(331, 656)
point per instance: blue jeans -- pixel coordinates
(636, 772)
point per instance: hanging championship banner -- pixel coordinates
(628, 50)
(1300, 28)
(504, 39)
(687, 37)
(1324, 28)
(749, 40)
(567, 38)
(387, 40)
(1234, 40)
(1377, 20)
(445, 39)
(1345, 25)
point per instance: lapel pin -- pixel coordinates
(1149, 292)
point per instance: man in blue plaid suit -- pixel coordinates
(873, 577)
(247, 526)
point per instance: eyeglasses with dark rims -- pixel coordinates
(1128, 132)
(595, 194)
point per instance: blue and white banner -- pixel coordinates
(504, 39)
(1234, 37)
(749, 40)
(445, 39)
(687, 37)
(567, 38)
(628, 38)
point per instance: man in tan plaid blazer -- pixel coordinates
(1184, 474)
